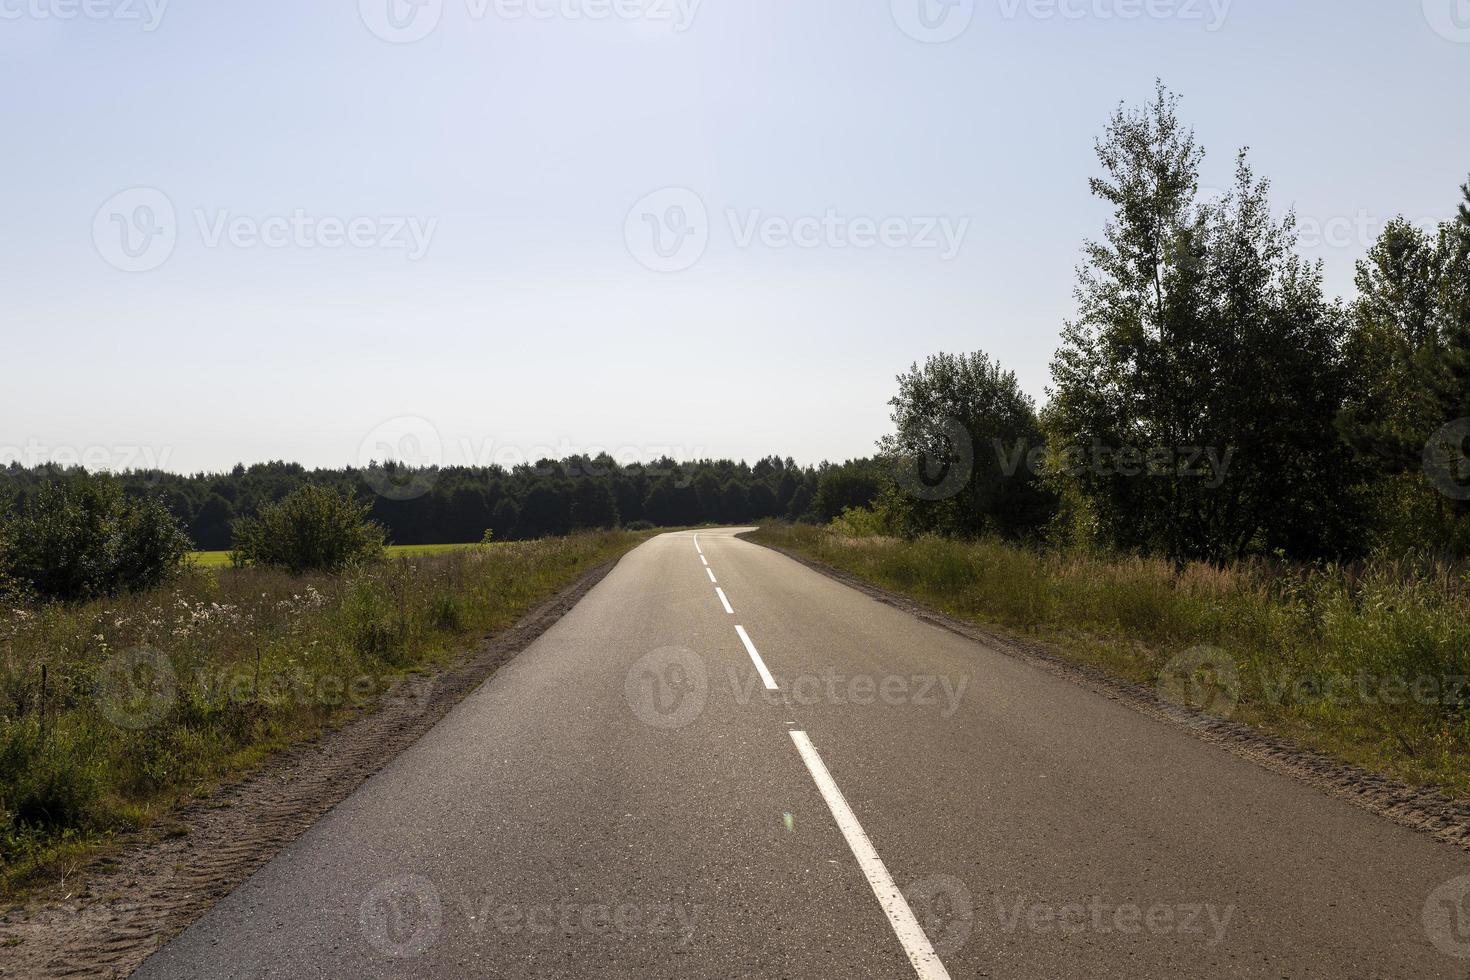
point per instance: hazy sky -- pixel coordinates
(302, 230)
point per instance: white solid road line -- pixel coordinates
(711, 573)
(723, 601)
(921, 954)
(755, 656)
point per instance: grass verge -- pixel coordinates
(113, 711)
(1369, 664)
(221, 559)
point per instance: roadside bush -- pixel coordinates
(82, 538)
(313, 529)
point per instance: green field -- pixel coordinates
(221, 559)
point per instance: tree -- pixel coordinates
(853, 484)
(505, 518)
(312, 529)
(210, 528)
(82, 537)
(593, 505)
(964, 447)
(545, 511)
(1410, 350)
(1195, 396)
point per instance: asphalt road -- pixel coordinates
(628, 799)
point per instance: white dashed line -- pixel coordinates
(711, 573)
(696, 545)
(755, 656)
(723, 601)
(704, 559)
(921, 954)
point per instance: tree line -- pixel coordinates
(454, 504)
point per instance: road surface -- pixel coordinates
(724, 764)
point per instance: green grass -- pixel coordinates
(150, 698)
(221, 559)
(1367, 663)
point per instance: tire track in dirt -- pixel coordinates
(131, 904)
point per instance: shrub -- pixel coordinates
(312, 529)
(81, 538)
